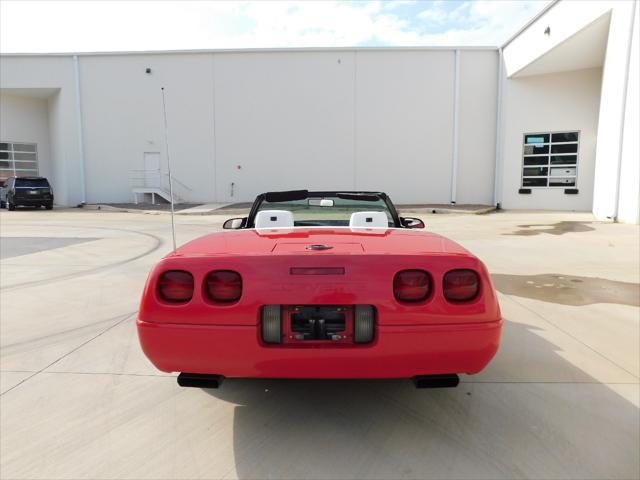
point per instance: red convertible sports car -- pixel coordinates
(320, 285)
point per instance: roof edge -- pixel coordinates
(247, 50)
(530, 22)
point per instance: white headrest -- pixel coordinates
(369, 220)
(274, 219)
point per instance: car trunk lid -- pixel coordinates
(309, 248)
(343, 240)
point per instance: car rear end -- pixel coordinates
(343, 313)
(32, 191)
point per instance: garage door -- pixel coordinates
(18, 159)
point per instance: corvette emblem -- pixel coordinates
(318, 247)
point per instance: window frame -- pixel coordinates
(548, 156)
(31, 166)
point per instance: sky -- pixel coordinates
(91, 26)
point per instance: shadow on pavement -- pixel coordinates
(571, 427)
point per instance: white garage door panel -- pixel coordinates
(283, 121)
(404, 124)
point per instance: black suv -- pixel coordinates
(27, 191)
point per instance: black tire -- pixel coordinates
(48, 206)
(2, 204)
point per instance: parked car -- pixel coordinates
(26, 191)
(320, 285)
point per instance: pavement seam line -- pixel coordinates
(126, 317)
(573, 337)
(111, 373)
(95, 270)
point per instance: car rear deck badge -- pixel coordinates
(318, 247)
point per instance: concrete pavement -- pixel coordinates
(79, 399)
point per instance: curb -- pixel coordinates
(436, 210)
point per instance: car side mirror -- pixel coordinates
(234, 223)
(410, 222)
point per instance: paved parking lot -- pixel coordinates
(79, 399)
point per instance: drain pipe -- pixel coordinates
(497, 176)
(83, 179)
(456, 115)
(625, 90)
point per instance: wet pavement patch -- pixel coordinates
(559, 228)
(568, 289)
(18, 246)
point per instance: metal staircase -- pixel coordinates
(155, 183)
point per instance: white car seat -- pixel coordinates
(274, 219)
(369, 220)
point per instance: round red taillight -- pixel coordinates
(461, 285)
(176, 286)
(411, 285)
(224, 286)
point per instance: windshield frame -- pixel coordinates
(300, 194)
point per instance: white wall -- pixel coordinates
(334, 119)
(404, 124)
(565, 101)
(337, 119)
(612, 110)
(25, 119)
(477, 127)
(629, 201)
(345, 119)
(53, 72)
(327, 120)
(122, 115)
(283, 120)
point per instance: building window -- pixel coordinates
(550, 159)
(18, 159)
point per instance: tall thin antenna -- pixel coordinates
(166, 141)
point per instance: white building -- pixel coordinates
(549, 120)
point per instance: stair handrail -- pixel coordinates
(138, 178)
(174, 179)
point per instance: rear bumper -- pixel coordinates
(32, 201)
(397, 352)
